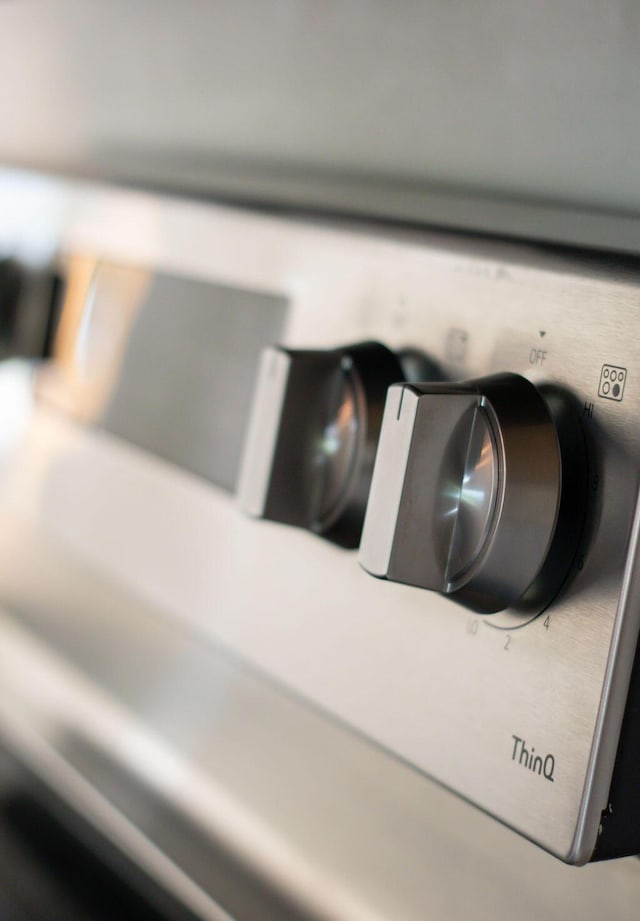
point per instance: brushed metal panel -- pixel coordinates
(409, 670)
(151, 730)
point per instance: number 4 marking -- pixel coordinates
(547, 621)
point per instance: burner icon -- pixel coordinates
(612, 381)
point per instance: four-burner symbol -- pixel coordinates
(612, 381)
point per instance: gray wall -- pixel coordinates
(364, 105)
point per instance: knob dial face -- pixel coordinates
(469, 494)
(312, 437)
(334, 453)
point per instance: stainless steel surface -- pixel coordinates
(117, 365)
(519, 120)
(473, 507)
(410, 672)
(180, 753)
(312, 437)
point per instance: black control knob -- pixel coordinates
(478, 491)
(30, 303)
(313, 434)
(10, 290)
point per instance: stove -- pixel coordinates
(224, 425)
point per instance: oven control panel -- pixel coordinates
(500, 526)
(437, 443)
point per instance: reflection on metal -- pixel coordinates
(233, 794)
(166, 362)
(472, 494)
(101, 304)
(16, 403)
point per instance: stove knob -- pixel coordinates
(478, 492)
(313, 434)
(30, 304)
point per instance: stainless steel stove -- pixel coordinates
(319, 460)
(225, 698)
